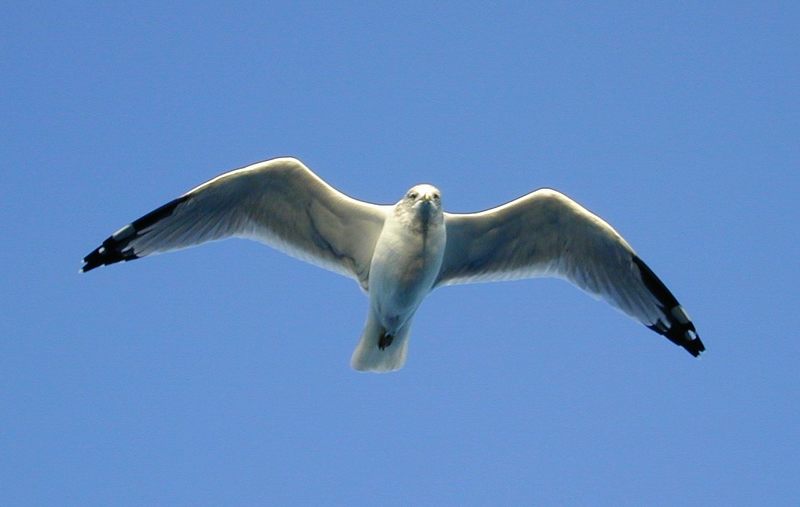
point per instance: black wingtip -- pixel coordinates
(678, 328)
(695, 347)
(110, 252)
(682, 335)
(116, 247)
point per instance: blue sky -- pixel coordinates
(219, 375)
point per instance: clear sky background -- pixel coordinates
(220, 376)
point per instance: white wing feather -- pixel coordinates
(545, 233)
(279, 202)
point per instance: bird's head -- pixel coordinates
(423, 196)
(422, 202)
(423, 193)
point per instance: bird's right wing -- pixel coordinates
(279, 202)
(545, 233)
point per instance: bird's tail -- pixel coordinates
(379, 351)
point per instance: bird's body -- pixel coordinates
(399, 253)
(407, 259)
(406, 262)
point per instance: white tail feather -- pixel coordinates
(368, 356)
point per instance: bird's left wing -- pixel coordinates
(279, 202)
(545, 233)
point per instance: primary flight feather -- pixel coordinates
(399, 253)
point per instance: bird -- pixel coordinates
(399, 253)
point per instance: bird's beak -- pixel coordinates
(428, 197)
(425, 204)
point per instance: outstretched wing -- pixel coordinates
(279, 202)
(545, 233)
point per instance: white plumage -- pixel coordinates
(399, 253)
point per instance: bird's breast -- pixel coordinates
(404, 266)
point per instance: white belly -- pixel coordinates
(404, 267)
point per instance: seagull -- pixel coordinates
(399, 253)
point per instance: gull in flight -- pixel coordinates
(399, 253)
